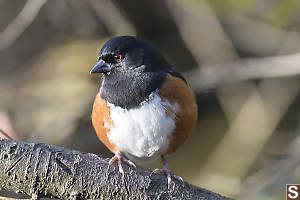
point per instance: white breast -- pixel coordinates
(143, 133)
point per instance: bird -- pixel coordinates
(144, 109)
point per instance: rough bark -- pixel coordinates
(41, 170)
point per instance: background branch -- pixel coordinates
(21, 22)
(41, 170)
(214, 76)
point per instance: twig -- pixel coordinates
(20, 23)
(5, 134)
(201, 30)
(276, 174)
(209, 77)
(113, 19)
(258, 37)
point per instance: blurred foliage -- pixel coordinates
(233, 5)
(240, 57)
(284, 12)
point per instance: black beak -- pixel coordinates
(100, 67)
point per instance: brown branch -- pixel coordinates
(41, 170)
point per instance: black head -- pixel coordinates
(132, 71)
(127, 53)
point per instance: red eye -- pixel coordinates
(118, 57)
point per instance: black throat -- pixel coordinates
(129, 90)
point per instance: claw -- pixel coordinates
(165, 170)
(120, 166)
(118, 157)
(129, 162)
(157, 171)
(179, 178)
(169, 180)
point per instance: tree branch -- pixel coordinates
(21, 22)
(41, 170)
(214, 76)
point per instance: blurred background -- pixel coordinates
(242, 59)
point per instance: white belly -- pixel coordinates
(143, 133)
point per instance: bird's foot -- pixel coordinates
(119, 157)
(169, 175)
(165, 170)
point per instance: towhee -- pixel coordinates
(144, 109)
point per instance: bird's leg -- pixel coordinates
(166, 170)
(119, 157)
